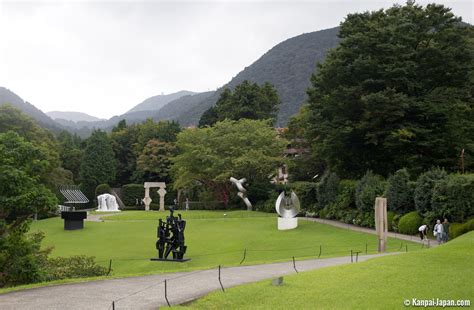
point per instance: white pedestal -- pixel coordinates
(287, 223)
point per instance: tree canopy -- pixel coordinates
(248, 100)
(243, 149)
(22, 193)
(396, 92)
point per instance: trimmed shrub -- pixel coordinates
(409, 223)
(453, 197)
(367, 189)
(327, 189)
(399, 192)
(73, 267)
(424, 190)
(102, 189)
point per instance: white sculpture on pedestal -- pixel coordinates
(107, 203)
(287, 209)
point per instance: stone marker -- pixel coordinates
(278, 281)
(381, 226)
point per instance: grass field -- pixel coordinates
(212, 238)
(444, 272)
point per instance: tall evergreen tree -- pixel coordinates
(395, 93)
(98, 164)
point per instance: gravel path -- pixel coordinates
(147, 292)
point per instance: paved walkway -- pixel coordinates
(431, 243)
(147, 292)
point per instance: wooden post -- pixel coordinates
(381, 225)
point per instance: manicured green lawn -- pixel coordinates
(212, 239)
(445, 272)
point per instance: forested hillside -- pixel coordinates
(287, 66)
(9, 97)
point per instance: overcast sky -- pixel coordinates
(104, 57)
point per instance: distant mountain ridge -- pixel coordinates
(288, 66)
(73, 116)
(157, 102)
(9, 97)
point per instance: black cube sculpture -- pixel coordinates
(73, 219)
(171, 239)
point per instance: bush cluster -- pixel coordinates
(409, 223)
(79, 266)
(22, 261)
(457, 229)
(102, 189)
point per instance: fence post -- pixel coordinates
(366, 248)
(294, 265)
(243, 258)
(220, 282)
(351, 257)
(320, 251)
(113, 305)
(110, 267)
(406, 247)
(166, 294)
(357, 257)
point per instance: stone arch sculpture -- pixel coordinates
(161, 191)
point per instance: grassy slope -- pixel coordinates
(215, 240)
(445, 272)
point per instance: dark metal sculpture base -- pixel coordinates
(73, 219)
(170, 260)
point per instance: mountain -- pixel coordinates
(73, 116)
(288, 66)
(9, 97)
(177, 109)
(156, 102)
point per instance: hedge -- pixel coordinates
(409, 223)
(457, 229)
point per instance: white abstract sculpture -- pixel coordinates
(287, 209)
(107, 203)
(242, 191)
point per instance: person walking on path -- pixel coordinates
(422, 230)
(438, 231)
(445, 230)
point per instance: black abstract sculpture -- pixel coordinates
(171, 238)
